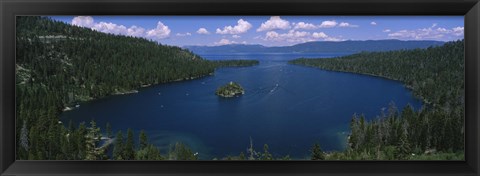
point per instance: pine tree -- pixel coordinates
(108, 129)
(251, 152)
(266, 155)
(71, 128)
(180, 151)
(150, 152)
(241, 156)
(403, 147)
(143, 140)
(80, 136)
(129, 152)
(92, 139)
(118, 148)
(353, 138)
(317, 153)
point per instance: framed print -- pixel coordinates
(251, 87)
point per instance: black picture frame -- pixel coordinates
(9, 9)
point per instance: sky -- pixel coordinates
(272, 30)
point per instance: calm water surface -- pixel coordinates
(288, 107)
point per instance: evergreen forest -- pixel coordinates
(59, 65)
(435, 75)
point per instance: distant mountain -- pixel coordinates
(319, 47)
(233, 48)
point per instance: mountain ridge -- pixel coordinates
(319, 46)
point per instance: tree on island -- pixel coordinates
(230, 90)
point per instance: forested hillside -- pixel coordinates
(59, 65)
(435, 74)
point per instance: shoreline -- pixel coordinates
(69, 108)
(426, 102)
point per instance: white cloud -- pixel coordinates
(83, 21)
(226, 42)
(241, 27)
(202, 31)
(136, 31)
(387, 30)
(291, 36)
(184, 34)
(271, 35)
(110, 28)
(162, 31)
(373, 23)
(458, 31)
(303, 25)
(319, 35)
(443, 30)
(333, 39)
(294, 36)
(403, 34)
(328, 24)
(345, 24)
(427, 33)
(275, 22)
(235, 36)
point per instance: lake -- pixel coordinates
(288, 107)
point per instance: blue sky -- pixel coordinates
(273, 30)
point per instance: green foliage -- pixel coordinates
(241, 156)
(252, 154)
(230, 90)
(398, 136)
(119, 147)
(286, 157)
(150, 152)
(435, 74)
(143, 140)
(81, 140)
(180, 151)
(59, 65)
(266, 155)
(129, 151)
(317, 153)
(93, 152)
(439, 156)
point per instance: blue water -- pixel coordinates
(288, 107)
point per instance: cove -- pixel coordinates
(288, 107)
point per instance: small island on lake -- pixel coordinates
(230, 90)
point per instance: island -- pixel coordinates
(230, 90)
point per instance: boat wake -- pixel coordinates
(274, 89)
